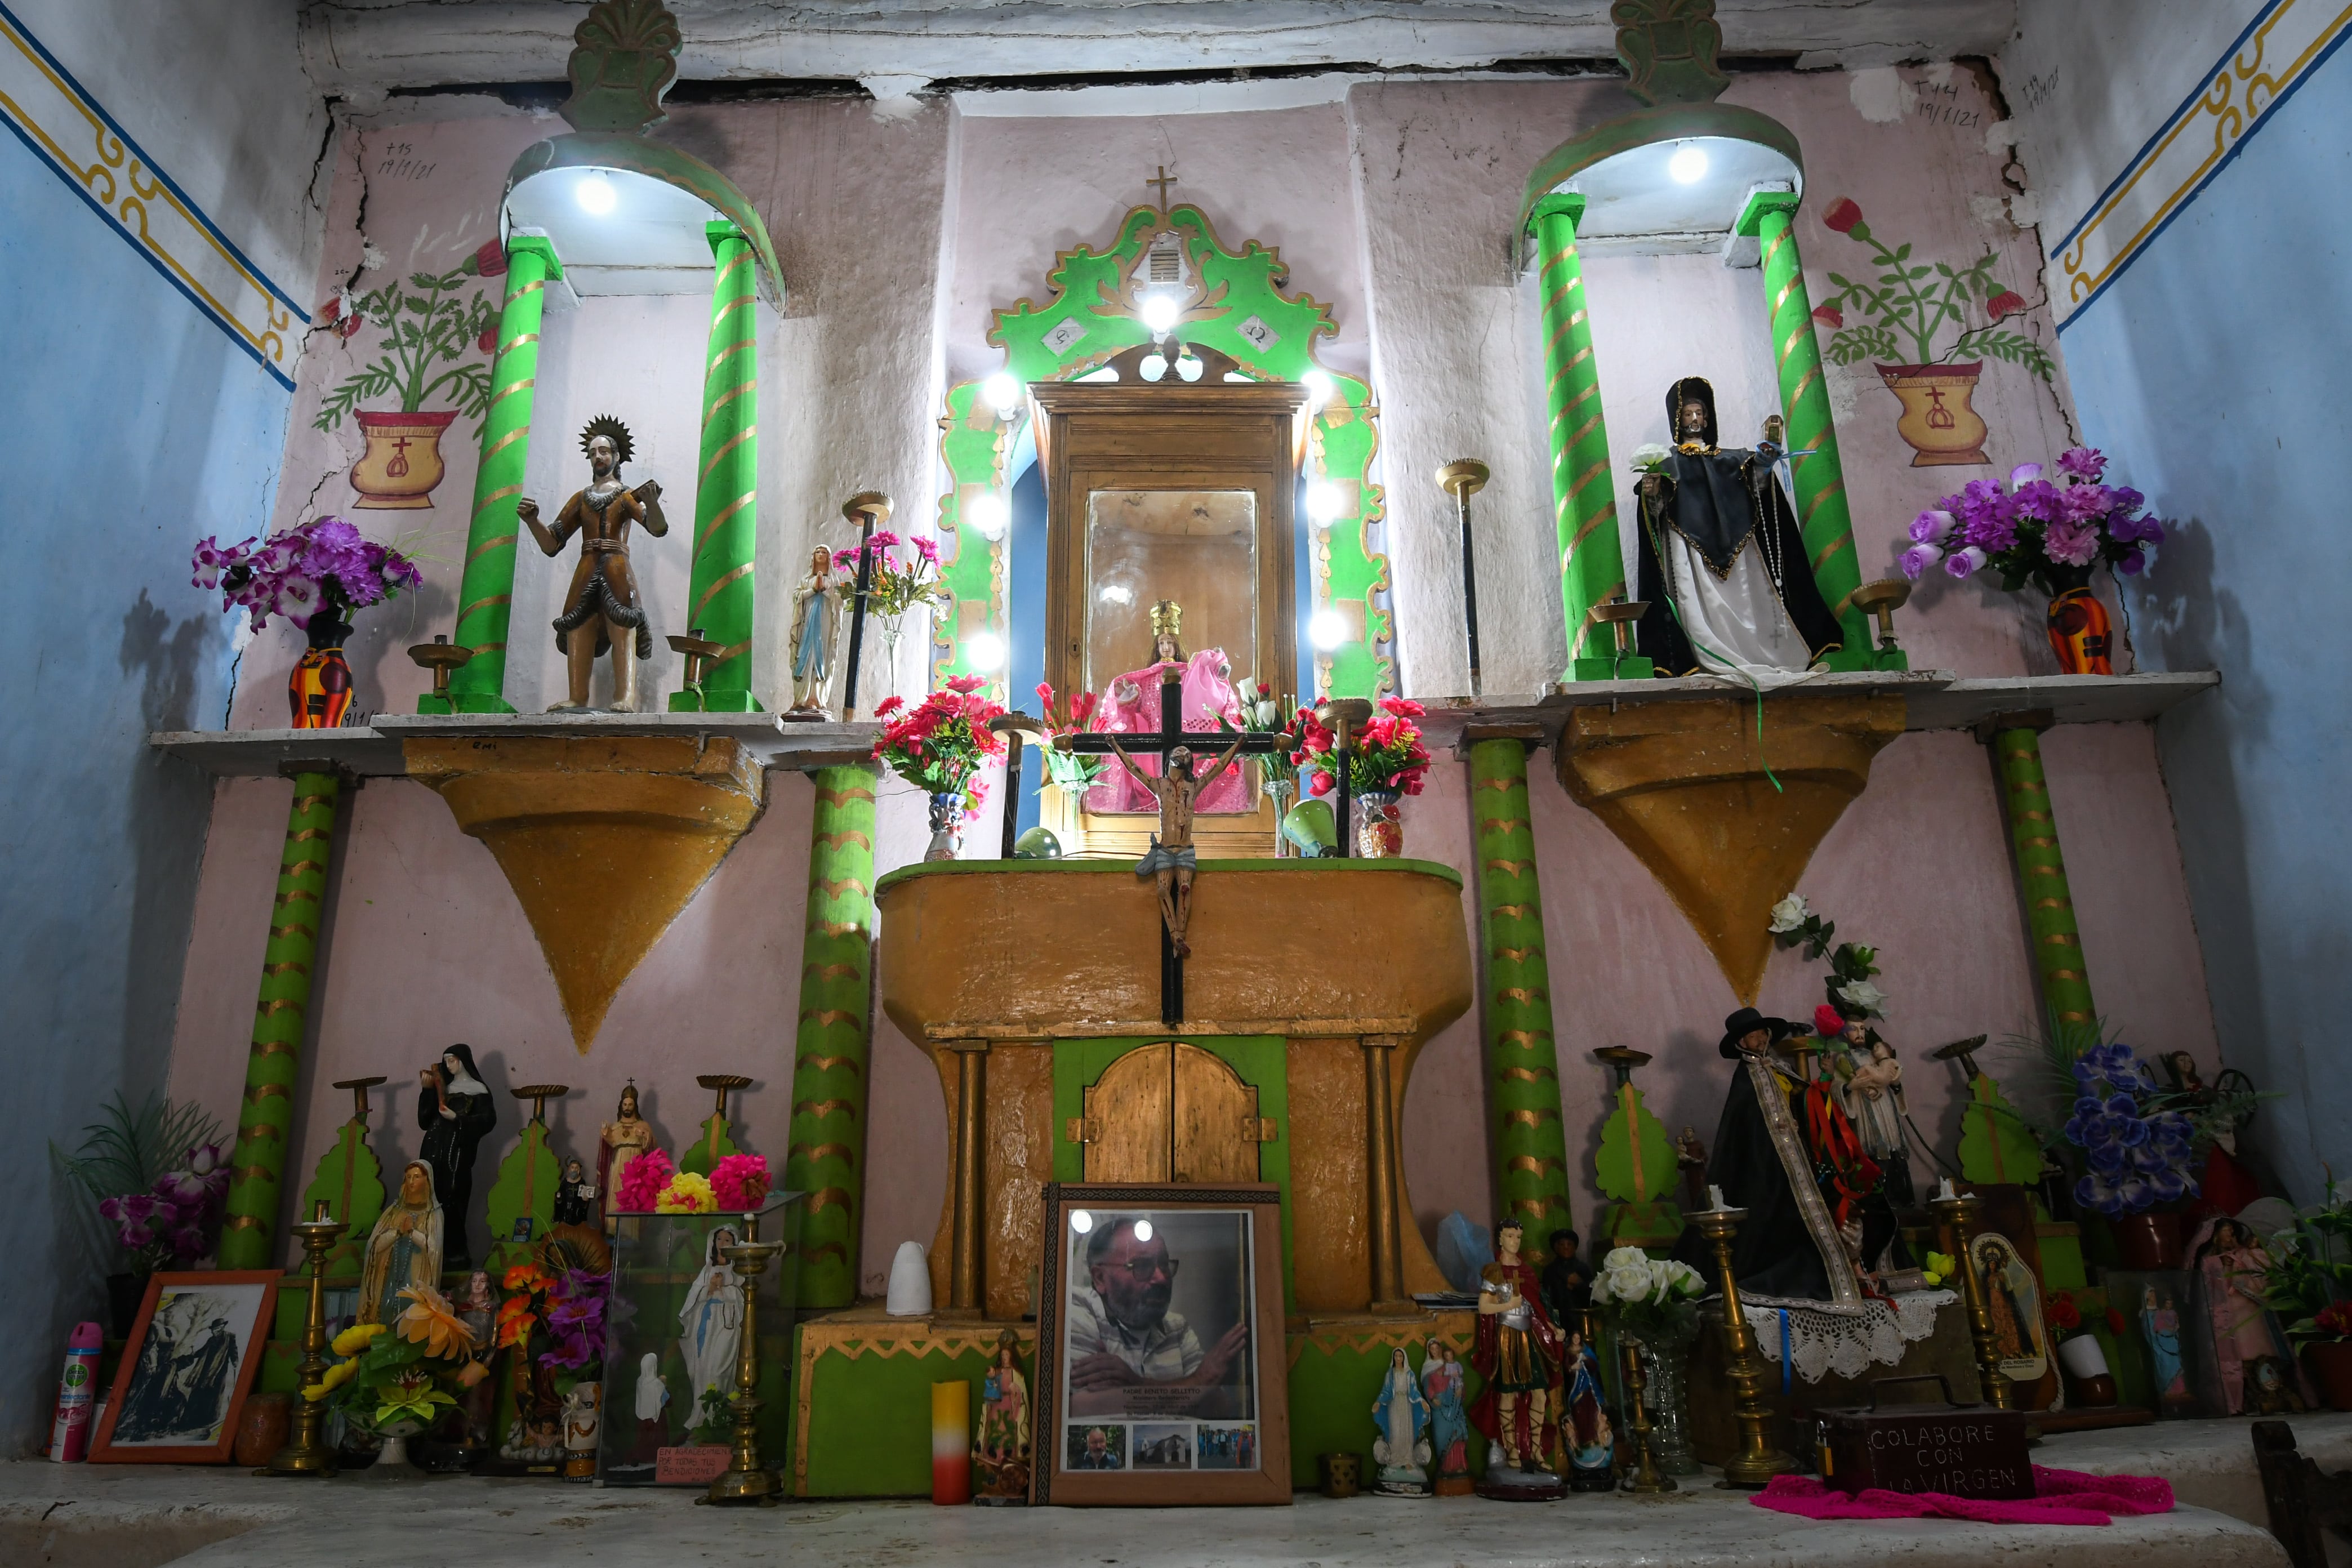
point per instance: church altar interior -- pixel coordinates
(1097, 431)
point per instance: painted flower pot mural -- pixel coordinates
(2035, 531)
(1908, 308)
(428, 329)
(315, 575)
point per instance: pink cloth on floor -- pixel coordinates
(2061, 1497)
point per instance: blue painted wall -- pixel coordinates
(2213, 372)
(134, 426)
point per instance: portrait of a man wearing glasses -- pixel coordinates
(1129, 1353)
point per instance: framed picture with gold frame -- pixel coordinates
(1161, 1373)
(194, 1352)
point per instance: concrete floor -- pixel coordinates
(134, 1516)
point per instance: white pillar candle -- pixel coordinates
(1946, 1191)
(1713, 1196)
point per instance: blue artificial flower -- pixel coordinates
(2107, 1159)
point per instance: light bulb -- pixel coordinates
(1319, 386)
(596, 196)
(1324, 501)
(1327, 630)
(1159, 312)
(986, 513)
(1688, 165)
(1081, 1221)
(1143, 1230)
(1002, 392)
(985, 651)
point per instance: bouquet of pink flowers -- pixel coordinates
(938, 747)
(2050, 535)
(642, 1184)
(323, 567)
(894, 587)
(741, 1182)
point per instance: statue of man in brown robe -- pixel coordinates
(603, 599)
(1172, 858)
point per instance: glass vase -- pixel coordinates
(947, 827)
(1665, 1362)
(1278, 791)
(1379, 825)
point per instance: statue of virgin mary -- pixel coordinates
(710, 1327)
(403, 1250)
(1723, 564)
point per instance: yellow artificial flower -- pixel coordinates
(314, 1391)
(431, 1322)
(690, 1192)
(341, 1372)
(356, 1338)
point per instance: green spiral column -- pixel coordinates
(826, 1158)
(2057, 940)
(1583, 490)
(264, 1121)
(1821, 499)
(718, 589)
(1522, 1061)
(486, 590)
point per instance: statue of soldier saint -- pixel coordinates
(1172, 859)
(603, 593)
(1722, 561)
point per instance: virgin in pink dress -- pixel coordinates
(1131, 707)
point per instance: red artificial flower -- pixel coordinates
(1403, 708)
(2115, 1322)
(1842, 215)
(887, 706)
(966, 684)
(2007, 302)
(1829, 316)
(2063, 1313)
(1319, 784)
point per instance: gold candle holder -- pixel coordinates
(1759, 1459)
(304, 1453)
(746, 1479)
(1959, 1210)
(1646, 1476)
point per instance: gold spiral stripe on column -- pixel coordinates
(1518, 954)
(272, 1048)
(1503, 786)
(243, 1221)
(724, 583)
(738, 439)
(269, 1129)
(298, 895)
(491, 602)
(823, 971)
(254, 1174)
(2034, 816)
(520, 432)
(518, 340)
(310, 836)
(1809, 377)
(846, 836)
(2054, 903)
(1530, 1075)
(303, 803)
(711, 412)
(290, 930)
(2061, 939)
(502, 394)
(821, 1017)
(261, 1091)
(820, 1108)
(832, 796)
(844, 928)
(1523, 993)
(1523, 1039)
(1531, 1118)
(2062, 975)
(1510, 868)
(1513, 911)
(824, 1152)
(2042, 844)
(486, 546)
(719, 521)
(1533, 1166)
(291, 966)
(828, 1197)
(492, 500)
(827, 1064)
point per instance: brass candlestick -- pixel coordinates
(304, 1455)
(1881, 599)
(1461, 478)
(699, 652)
(1759, 1459)
(1646, 1476)
(1959, 1210)
(746, 1479)
(439, 657)
(1619, 616)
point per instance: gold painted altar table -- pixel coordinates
(1034, 986)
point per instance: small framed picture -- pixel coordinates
(1162, 1371)
(192, 1354)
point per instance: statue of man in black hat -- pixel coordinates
(1723, 564)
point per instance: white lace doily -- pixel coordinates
(1846, 1343)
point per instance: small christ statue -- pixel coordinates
(601, 602)
(1172, 858)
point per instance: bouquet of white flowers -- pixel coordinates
(1647, 1297)
(1650, 459)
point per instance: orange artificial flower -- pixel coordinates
(430, 1322)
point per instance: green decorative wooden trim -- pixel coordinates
(975, 446)
(1351, 866)
(1666, 123)
(832, 1045)
(1522, 1058)
(2042, 876)
(1822, 513)
(273, 1066)
(719, 583)
(1668, 48)
(659, 161)
(1241, 289)
(349, 1179)
(525, 1189)
(486, 585)
(1996, 1145)
(709, 1145)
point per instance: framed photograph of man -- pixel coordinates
(192, 1354)
(1161, 1373)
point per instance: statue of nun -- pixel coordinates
(403, 1250)
(455, 1111)
(1401, 1450)
(710, 1329)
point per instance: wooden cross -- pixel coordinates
(1163, 182)
(1171, 734)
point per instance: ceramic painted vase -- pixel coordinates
(318, 688)
(947, 827)
(2080, 633)
(1940, 418)
(1379, 825)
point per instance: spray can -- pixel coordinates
(76, 1396)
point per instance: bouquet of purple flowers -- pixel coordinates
(575, 1319)
(2138, 1155)
(2050, 535)
(165, 1215)
(323, 567)
(178, 1219)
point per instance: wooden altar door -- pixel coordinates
(1172, 1112)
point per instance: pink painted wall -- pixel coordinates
(1393, 200)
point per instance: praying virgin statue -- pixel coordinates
(403, 1250)
(710, 1332)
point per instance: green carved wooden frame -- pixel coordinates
(1087, 287)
